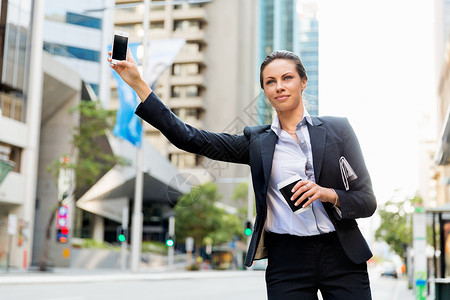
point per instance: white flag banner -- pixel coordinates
(161, 56)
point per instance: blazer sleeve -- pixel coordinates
(217, 146)
(359, 201)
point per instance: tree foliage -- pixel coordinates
(240, 195)
(396, 223)
(197, 216)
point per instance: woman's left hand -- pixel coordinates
(313, 191)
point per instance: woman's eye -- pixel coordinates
(287, 77)
(270, 81)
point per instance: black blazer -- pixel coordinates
(331, 138)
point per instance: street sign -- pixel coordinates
(12, 224)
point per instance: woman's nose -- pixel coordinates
(280, 87)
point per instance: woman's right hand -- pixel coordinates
(128, 70)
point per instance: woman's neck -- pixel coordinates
(290, 119)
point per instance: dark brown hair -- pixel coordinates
(282, 54)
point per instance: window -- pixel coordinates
(15, 155)
(187, 25)
(176, 92)
(14, 34)
(157, 25)
(12, 105)
(196, 5)
(69, 51)
(185, 91)
(95, 87)
(185, 69)
(82, 20)
(193, 112)
(184, 160)
(192, 91)
(191, 48)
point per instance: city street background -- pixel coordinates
(71, 202)
(203, 285)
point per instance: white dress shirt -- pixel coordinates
(289, 160)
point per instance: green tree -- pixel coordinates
(89, 142)
(198, 216)
(396, 223)
(95, 157)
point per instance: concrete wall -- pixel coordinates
(230, 79)
(62, 90)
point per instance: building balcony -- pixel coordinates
(186, 102)
(190, 14)
(198, 80)
(128, 16)
(190, 57)
(157, 15)
(190, 35)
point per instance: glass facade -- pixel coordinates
(290, 25)
(70, 51)
(15, 19)
(277, 31)
(82, 21)
(309, 51)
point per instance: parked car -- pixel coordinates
(388, 269)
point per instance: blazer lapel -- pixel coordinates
(318, 137)
(267, 141)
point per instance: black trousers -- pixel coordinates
(300, 266)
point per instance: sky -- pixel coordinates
(377, 68)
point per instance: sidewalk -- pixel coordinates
(67, 275)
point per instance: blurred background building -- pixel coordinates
(29, 147)
(217, 70)
(213, 84)
(77, 34)
(213, 73)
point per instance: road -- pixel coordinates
(217, 286)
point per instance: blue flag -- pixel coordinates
(128, 125)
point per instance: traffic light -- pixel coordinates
(248, 228)
(62, 231)
(122, 234)
(170, 240)
(62, 235)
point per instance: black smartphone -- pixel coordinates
(119, 46)
(285, 187)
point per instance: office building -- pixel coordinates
(290, 25)
(211, 84)
(78, 33)
(33, 136)
(308, 49)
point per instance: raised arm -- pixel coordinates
(217, 146)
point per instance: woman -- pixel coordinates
(320, 248)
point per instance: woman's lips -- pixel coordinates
(282, 97)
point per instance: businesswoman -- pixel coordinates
(320, 248)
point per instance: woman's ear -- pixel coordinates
(303, 83)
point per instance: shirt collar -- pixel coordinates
(276, 126)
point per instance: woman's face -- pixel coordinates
(283, 85)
